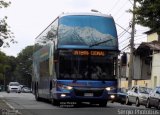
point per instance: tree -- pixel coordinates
(24, 65)
(6, 69)
(148, 14)
(5, 33)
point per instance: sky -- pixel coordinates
(28, 18)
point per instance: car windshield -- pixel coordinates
(14, 84)
(85, 67)
(86, 30)
(144, 90)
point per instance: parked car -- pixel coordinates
(138, 95)
(26, 89)
(154, 98)
(120, 96)
(14, 87)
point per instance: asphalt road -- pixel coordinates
(26, 104)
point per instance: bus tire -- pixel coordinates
(37, 95)
(103, 104)
(55, 102)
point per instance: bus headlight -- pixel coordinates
(63, 95)
(108, 88)
(67, 87)
(112, 96)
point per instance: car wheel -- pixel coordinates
(158, 107)
(148, 104)
(122, 102)
(137, 102)
(127, 101)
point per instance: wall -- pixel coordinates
(137, 67)
(152, 37)
(155, 76)
(143, 83)
(140, 72)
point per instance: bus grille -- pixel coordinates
(82, 92)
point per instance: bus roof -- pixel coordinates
(82, 13)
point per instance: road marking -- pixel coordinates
(11, 107)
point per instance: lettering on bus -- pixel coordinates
(86, 53)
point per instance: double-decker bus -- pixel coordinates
(75, 59)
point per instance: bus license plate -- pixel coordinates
(88, 94)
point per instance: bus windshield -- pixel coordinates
(85, 30)
(85, 67)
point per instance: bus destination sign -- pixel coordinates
(87, 53)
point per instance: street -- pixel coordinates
(26, 104)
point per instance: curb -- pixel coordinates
(7, 109)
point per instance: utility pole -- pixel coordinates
(132, 48)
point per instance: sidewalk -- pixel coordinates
(3, 104)
(6, 109)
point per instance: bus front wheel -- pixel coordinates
(103, 104)
(54, 102)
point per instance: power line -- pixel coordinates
(121, 46)
(130, 2)
(123, 28)
(125, 3)
(121, 15)
(125, 40)
(113, 6)
(123, 33)
(125, 47)
(129, 38)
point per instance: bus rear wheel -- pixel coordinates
(37, 96)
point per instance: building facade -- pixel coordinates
(146, 63)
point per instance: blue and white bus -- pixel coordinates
(75, 59)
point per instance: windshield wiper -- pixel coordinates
(96, 44)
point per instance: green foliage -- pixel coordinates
(148, 14)
(4, 4)
(17, 69)
(7, 67)
(24, 65)
(1, 77)
(5, 33)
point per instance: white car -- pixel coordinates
(14, 87)
(26, 89)
(138, 95)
